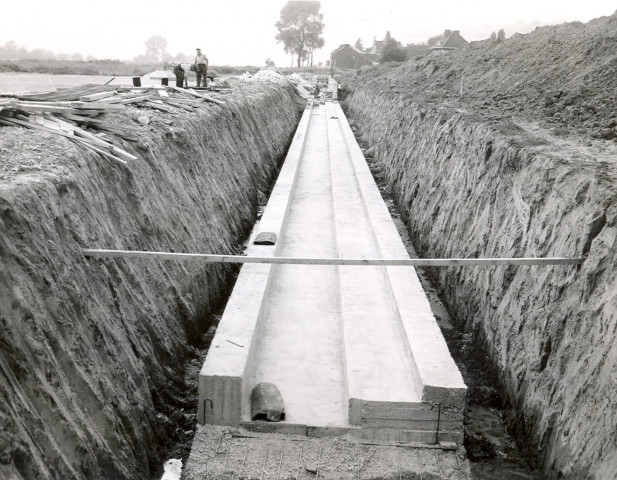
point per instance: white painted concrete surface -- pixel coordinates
(348, 345)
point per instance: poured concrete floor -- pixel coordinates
(303, 346)
(348, 347)
(301, 342)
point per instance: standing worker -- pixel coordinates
(201, 66)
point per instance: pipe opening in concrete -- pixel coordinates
(267, 403)
(265, 238)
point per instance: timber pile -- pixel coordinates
(70, 112)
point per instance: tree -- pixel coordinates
(156, 49)
(182, 58)
(493, 37)
(501, 35)
(359, 45)
(393, 52)
(300, 28)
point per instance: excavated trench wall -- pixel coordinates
(90, 349)
(470, 190)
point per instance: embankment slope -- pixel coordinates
(93, 351)
(523, 164)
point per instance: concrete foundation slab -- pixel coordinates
(351, 348)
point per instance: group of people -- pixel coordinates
(200, 66)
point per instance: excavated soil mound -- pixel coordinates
(93, 351)
(564, 77)
(523, 164)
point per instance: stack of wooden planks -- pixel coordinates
(70, 112)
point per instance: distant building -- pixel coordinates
(378, 45)
(348, 56)
(450, 40)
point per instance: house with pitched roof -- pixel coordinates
(378, 45)
(348, 56)
(450, 40)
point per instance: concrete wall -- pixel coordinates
(93, 351)
(467, 189)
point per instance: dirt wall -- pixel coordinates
(468, 189)
(92, 349)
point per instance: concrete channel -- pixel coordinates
(352, 349)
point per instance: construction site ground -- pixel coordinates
(240, 454)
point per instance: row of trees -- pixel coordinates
(156, 53)
(12, 51)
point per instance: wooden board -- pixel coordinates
(40, 108)
(408, 262)
(97, 105)
(67, 94)
(97, 96)
(137, 99)
(195, 94)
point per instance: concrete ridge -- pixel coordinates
(223, 375)
(438, 378)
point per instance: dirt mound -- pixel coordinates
(563, 76)
(93, 352)
(524, 163)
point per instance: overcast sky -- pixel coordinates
(241, 32)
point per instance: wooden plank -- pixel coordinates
(188, 101)
(103, 125)
(159, 106)
(104, 153)
(430, 425)
(179, 105)
(72, 93)
(83, 133)
(198, 95)
(162, 93)
(97, 140)
(47, 103)
(60, 132)
(140, 98)
(40, 120)
(97, 96)
(40, 108)
(410, 414)
(22, 123)
(408, 262)
(97, 105)
(115, 99)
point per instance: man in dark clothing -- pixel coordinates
(179, 73)
(201, 67)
